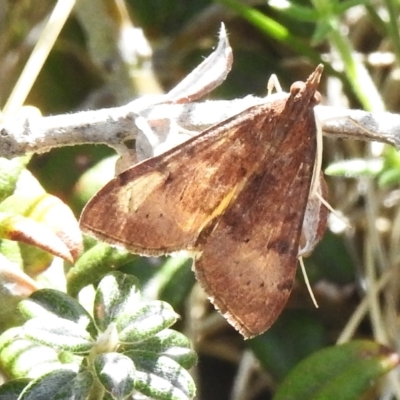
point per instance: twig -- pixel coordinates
(162, 121)
(113, 126)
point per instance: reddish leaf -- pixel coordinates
(26, 230)
(51, 213)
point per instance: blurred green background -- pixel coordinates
(359, 43)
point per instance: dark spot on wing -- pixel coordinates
(280, 245)
(287, 285)
(242, 171)
(169, 179)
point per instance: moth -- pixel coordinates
(237, 197)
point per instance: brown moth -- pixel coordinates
(235, 196)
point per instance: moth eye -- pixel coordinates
(296, 87)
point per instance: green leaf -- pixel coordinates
(60, 333)
(321, 32)
(21, 357)
(116, 296)
(169, 343)
(9, 174)
(116, 372)
(392, 158)
(77, 388)
(295, 335)
(59, 385)
(390, 174)
(355, 168)
(146, 320)
(93, 180)
(161, 378)
(389, 178)
(11, 250)
(50, 302)
(15, 285)
(344, 372)
(387, 169)
(174, 280)
(272, 29)
(12, 389)
(94, 264)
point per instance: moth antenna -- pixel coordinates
(307, 282)
(273, 83)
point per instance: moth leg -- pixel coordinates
(307, 282)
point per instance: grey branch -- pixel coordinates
(160, 122)
(381, 127)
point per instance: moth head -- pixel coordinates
(298, 87)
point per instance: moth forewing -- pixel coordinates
(163, 204)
